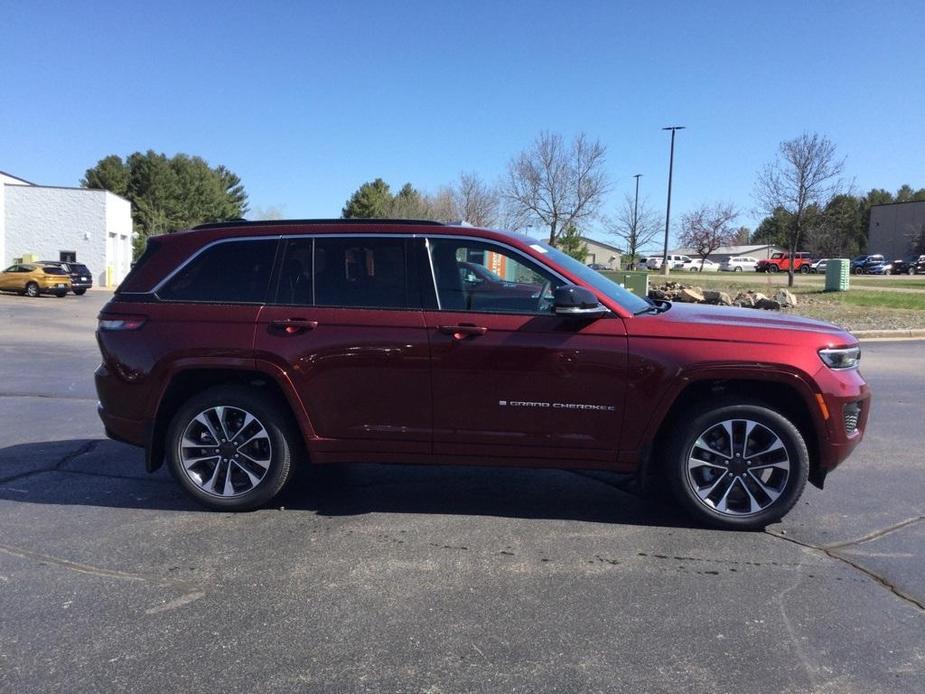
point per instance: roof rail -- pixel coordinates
(288, 222)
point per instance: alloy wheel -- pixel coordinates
(738, 467)
(225, 451)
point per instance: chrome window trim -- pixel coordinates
(433, 275)
(313, 236)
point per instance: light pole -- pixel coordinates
(636, 220)
(673, 129)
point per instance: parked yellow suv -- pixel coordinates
(31, 279)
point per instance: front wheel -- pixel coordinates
(232, 447)
(804, 269)
(738, 466)
(738, 269)
(61, 294)
(773, 268)
(32, 290)
(80, 292)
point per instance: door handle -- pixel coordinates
(294, 326)
(461, 332)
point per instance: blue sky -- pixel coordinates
(305, 101)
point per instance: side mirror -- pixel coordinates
(571, 301)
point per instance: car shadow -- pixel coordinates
(100, 472)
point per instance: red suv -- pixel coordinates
(235, 352)
(780, 262)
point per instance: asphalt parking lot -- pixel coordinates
(415, 579)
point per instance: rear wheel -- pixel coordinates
(32, 289)
(80, 292)
(738, 269)
(61, 293)
(804, 269)
(232, 447)
(738, 466)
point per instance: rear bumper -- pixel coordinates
(51, 289)
(130, 431)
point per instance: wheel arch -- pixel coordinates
(183, 383)
(794, 400)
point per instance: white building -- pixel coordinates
(93, 227)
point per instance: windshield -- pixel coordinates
(625, 298)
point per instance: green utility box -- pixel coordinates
(837, 272)
(636, 281)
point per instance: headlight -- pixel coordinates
(841, 357)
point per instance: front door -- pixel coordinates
(348, 328)
(511, 379)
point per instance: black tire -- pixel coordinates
(738, 269)
(61, 294)
(858, 271)
(284, 443)
(80, 292)
(788, 485)
(773, 268)
(32, 290)
(911, 271)
(804, 269)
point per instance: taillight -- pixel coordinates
(121, 322)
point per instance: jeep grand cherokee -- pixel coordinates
(235, 352)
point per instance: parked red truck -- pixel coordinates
(235, 352)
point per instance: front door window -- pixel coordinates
(480, 277)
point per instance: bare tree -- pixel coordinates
(637, 226)
(708, 228)
(555, 184)
(442, 205)
(806, 173)
(477, 202)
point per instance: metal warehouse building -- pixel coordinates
(897, 229)
(93, 227)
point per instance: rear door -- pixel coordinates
(510, 378)
(347, 327)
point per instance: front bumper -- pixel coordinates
(843, 391)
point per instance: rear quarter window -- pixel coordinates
(229, 272)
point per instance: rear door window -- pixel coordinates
(361, 272)
(229, 272)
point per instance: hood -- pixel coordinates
(742, 324)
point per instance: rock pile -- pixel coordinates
(675, 291)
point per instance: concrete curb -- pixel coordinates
(892, 334)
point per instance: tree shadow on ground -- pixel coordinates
(100, 472)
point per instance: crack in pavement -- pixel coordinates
(70, 565)
(85, 447)
(191, 593)
(828, 550)
(46, 396)
(877, 534)
(832, 554)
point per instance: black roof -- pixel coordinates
(237, 223)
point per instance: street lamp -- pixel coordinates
(635, 220)
(673, 129)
